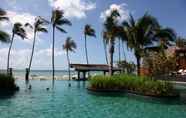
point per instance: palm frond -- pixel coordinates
(69, 44)
(61, 29)
(4, 37)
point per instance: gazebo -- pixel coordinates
(85, 68)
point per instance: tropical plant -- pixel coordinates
(125, 66)
(58, 20)
(88, 31)
(18, 29)
(139, 34)
(166, 37)
(134, 84)
(159, 64)
(7, 83)
(111, 29)
(37, 27)
(4, 37)
(69, 45)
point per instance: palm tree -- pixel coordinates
(4, 37)
(69, 45)
(111, 28)
(104, 35)
(57, 21)
(88, 31)
(139, 34)
(166, 37)
(37, 27)
(19, 31)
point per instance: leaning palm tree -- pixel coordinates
(18, 30)
(139, 35)
(4, 37)
(105, 42)
(69, 45)
(111, 28)
(57, 21)
(37, 27)
(88, 31)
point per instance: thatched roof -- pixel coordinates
(92, 67)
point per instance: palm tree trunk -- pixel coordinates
(105, 49)
(53, 68)
(68, 59)
(86, 52)
(124, 52)
(8, 60)
(138, 59)
(119, 51)
(111, 51)
(31, 57)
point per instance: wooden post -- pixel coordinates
(84, 75)
(104, 72)
(78, 75)
(26, 75)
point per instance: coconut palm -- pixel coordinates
(88, 31)
(111, 28)
(38, 26)
(139, 34)
(166, 37)
(104, 35)
(58, 20)
(18, 30)
(4, 37)
(69, 45)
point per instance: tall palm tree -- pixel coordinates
(69, 45)
(4, 37)
(105, 42)
(139, 34)
(38, 26)
(88, 31)
(18, 30)
(111, 28)
(58, 20)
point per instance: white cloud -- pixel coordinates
(23, 18)
(73, 8)
(19, 58)
(124, 12)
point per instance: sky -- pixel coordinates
(170, 13)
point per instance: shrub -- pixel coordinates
(7, 83)
(141, 85)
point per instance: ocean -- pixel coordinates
(47, 74)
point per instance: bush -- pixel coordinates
(141, 85)
(7, 83)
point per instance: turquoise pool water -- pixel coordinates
(76, 102)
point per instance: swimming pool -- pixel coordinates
(76, 102)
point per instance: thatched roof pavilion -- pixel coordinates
(84, 68)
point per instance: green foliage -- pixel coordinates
(125, 66)
(141, 85)
(7, 83)
(160, 64)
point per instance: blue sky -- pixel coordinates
(170, 13)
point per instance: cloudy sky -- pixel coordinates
(170, 13)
